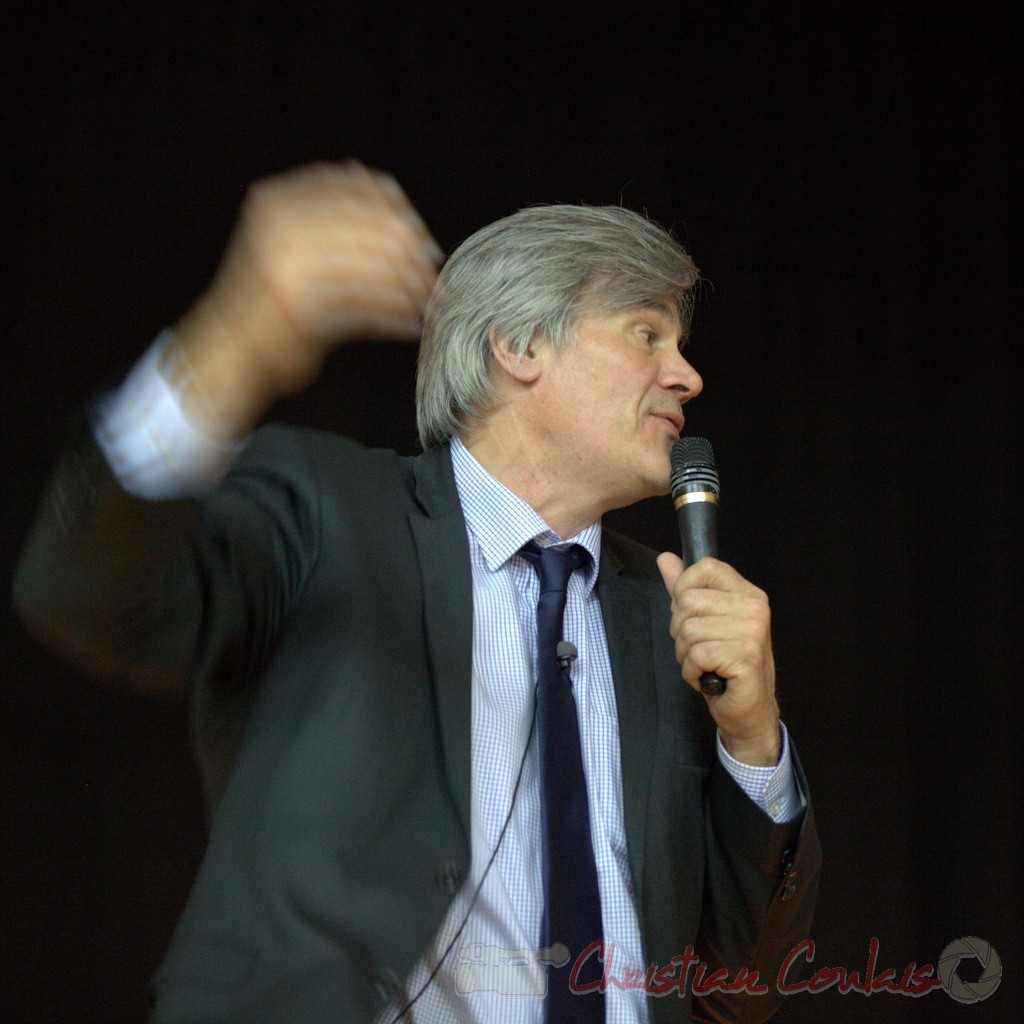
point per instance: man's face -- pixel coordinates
(611, 403)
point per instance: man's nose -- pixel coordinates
(679, 375)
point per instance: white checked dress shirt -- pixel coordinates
(156, 453)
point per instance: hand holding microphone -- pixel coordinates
(695, 493)
(721, 622)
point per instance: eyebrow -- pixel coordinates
(670, 312)
(637, 312)
(661, 307)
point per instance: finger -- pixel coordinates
(362, 278)
(671, 568)
(348, 228)
(348, 193)
(395, 195)
(712, 574)
(732, 605)
(355, 300)
(385, 198)
(374, 327)
(381, 258)
(750, 637)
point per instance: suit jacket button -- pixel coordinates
(448, 878)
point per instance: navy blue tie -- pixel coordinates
(572, 900)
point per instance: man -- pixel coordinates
(362, 637)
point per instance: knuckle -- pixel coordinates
(752, 650)
(706, 565)
(687, 630)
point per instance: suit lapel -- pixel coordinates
(627, 623)
(439, 532)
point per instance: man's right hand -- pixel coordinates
(320, 256)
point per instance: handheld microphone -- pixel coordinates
(695, 491)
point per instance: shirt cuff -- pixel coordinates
(773, 789)
(151, 446)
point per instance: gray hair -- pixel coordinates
(533, 275)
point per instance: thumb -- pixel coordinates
(671, 568)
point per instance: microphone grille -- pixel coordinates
(693, 466)
(688, 451)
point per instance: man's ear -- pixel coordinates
(523, 367)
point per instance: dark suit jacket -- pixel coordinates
(318, 609)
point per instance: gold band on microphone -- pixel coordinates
(688, 497)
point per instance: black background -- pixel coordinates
(847, 183)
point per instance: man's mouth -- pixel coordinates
(675, 419)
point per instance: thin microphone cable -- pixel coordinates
(472, 903)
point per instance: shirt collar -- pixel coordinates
(502, 522)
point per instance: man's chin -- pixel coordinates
(658, 485)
